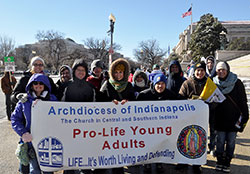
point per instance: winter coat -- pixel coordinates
(21, 85)
(191, 88)
(109, 93)
(79, 90)
(21, 117)
(97, 82)
(174, 81)
(61, 88)
(151, 94)
(6, 85)
(227, 114)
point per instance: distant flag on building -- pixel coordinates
(211, 93)
(188, 13)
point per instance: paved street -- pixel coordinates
(9, 162)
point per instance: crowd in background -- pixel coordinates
(120, 85)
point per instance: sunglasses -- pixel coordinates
(35, 64)
(38, 83)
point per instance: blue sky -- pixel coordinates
(136, 20)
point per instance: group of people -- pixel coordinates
(77, 85)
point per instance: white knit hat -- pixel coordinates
(34, 59)
(221, 65)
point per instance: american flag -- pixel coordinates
(188, 13)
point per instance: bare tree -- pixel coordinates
(149, 53)
(7, 45)
(100, 47)
(55, 51)
(23, 55)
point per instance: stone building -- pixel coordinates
(235, 29)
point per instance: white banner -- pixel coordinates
(104, 135)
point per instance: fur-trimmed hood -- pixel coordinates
(115, 63)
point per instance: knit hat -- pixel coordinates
(200, 65)
(120, 67)
(34, 59)
(96, 63)
(221, 65)
(159, 78)
(156, 66)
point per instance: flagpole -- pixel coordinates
(191, 19)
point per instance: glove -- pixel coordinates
(27, 137)
(23, 97)
(22, 154)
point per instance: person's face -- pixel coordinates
(80, 72)
(174, 69)
(139, 78)
(222, 73)
(160, 87)
(118, 75)
(38, 87)
(37, 66)
(97, 71)
(65, 75)
(199, 73)
(210, 64)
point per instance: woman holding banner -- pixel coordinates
(231, 115)
(38, 87)
(117, 89)
(191, 89)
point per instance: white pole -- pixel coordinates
(191, 19)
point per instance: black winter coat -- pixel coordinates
(151, 94)
(108, 93)
(79, 91)
(227, 114)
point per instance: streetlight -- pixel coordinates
(111, 31)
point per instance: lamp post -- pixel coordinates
(111, 31)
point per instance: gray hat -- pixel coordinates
(96, 63)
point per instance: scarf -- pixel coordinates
(140, 84)
(118, 85)
(227, 85)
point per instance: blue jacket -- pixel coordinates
(21, 117)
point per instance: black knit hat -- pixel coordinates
(200, 65)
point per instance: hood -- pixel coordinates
(143, 74)
(214, 67)
(175, 62)
(67, 67)
(96, 63)
(38, 78)
(114, 64)
(79, 62)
